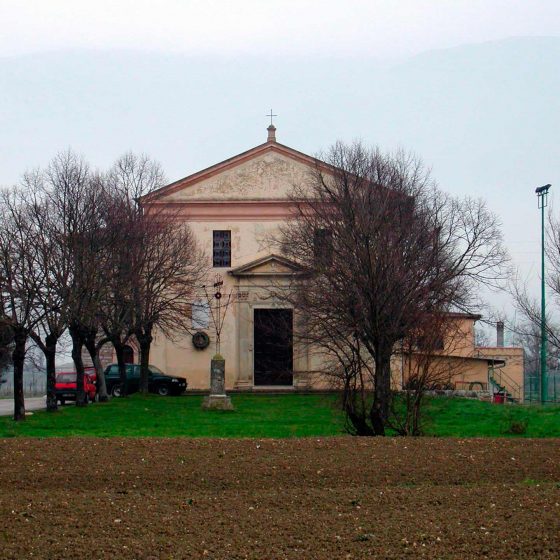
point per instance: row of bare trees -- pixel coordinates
(79, 255)
(387, 256)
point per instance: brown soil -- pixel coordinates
(308, 498)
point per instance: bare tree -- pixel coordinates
(527, 328)
(59, 217)
(78, 199)
(528, 331)
(6, 338)
(383, 248)
(49, 277)
(133, 176)
(431, 356)
(155, 267)
(93, 344)
(18, 294)
(481, 337)
(170, 268)
(115, 310)
(528, 336)
(78, 252)
(529, 307)
(130, 177)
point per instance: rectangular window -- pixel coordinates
(430, 343)
(222, 248)
(323, 247)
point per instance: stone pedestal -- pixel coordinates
(217, 400)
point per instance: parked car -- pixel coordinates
(158, 382)
(66, 386)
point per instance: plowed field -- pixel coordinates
(266, 499)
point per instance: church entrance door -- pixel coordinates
(273, 350)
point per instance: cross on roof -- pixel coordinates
(271, 115)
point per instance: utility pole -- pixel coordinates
(542, 197)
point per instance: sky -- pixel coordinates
(387, 29)
(472, 86)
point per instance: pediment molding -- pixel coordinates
(271, 265)
(233, 162)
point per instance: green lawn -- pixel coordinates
(139, 416)
(452, 417)
(270, 416)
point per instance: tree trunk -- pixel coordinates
(145, 342)
(355, 397)
(18, 359)
(93, 350)
(416, 413)
(379, 413)
(50, 357)
(77, 345)
(119, 351)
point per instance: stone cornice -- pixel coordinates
(228, 210)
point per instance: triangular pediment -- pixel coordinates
(271, 265)
(266, 172)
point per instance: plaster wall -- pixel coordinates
(459, 341)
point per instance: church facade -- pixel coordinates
(234, 209)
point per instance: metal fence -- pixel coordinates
(34, 383)
(532, 387)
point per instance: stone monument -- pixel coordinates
(217, 399)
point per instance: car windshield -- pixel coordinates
(154, 369)
(66, 378)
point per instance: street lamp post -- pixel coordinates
(542, 197)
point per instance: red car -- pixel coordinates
(65, 386)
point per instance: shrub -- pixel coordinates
(515, 426)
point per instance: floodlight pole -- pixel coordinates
(542, 197)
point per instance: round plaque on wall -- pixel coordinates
(200, 340)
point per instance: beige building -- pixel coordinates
(234, 208)
(461, 364)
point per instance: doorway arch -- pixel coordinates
(128, 354)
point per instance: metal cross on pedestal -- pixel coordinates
(218, 310)
(218, 303)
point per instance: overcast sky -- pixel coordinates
(388, 29)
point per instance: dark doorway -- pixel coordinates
(274, 354)
(128, 353)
